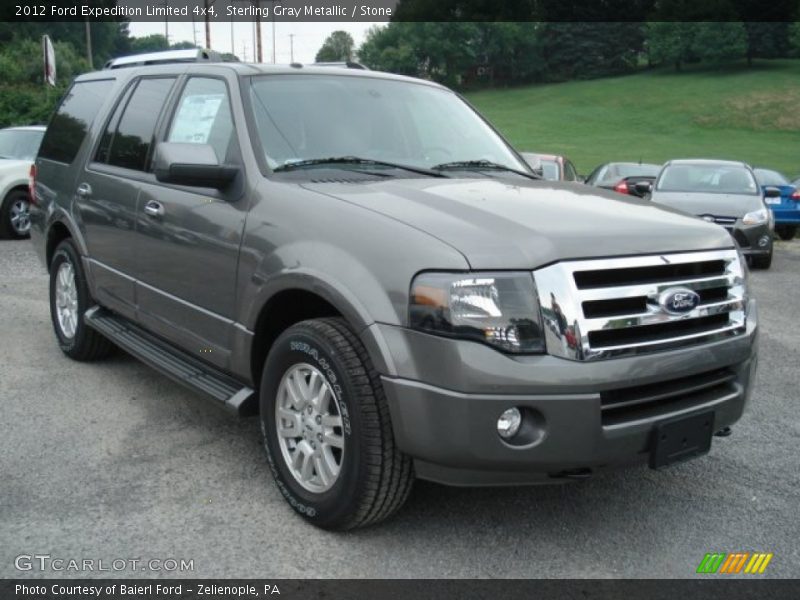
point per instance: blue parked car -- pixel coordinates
(786, 208)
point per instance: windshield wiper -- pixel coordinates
(354, 160)
(481, 165)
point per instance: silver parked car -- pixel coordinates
(722, 192)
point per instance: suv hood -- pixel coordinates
(720, 205)
(508, 224)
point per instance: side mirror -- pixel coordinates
(772, 192)
(643, 187)
(191, 164)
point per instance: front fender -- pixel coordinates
(350, 295)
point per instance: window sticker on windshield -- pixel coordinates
(195, 118)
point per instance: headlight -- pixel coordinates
(499, 309)
(757, 217)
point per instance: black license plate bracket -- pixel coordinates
(682, 438)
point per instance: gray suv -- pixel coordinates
(363, 261)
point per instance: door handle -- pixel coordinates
(84, 190)
(154, 209)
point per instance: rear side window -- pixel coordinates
(68, 128)
(133, 131)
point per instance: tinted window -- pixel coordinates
(569, 172)
(111, 128)
(203, 116)
(69, 125)
(134, 134)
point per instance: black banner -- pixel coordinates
(250, 589)
(214, 11)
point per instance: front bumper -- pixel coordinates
(445, 397)
(753, 240)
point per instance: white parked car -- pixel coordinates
(18, 149)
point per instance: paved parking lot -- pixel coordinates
(113, 461)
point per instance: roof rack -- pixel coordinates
(345, 64)
(166, 57)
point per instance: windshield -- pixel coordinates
(708, 179)
(767, 177)
(20, 144)
(614, 172)
(321, 116)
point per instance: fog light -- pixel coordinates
(763, 241)
(509, 422)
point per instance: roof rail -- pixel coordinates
(165, 57)
(345, 64)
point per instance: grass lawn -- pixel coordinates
(732, 112)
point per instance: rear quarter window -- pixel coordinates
(72, 120)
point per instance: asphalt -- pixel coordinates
(111, 461)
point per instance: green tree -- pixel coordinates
(679, 43)
(582, 50)
(794, 38)
(718, 41)
(767, 40)
(109, 39)
(338, 46)
(24, 98)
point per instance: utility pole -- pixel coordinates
(208, 25)
(273, 32)
(89, 44)
(166, 21)
(291, 47)
(257, 4)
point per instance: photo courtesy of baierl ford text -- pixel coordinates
(399, 299)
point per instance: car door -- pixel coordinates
(188, 237)
(108, 191)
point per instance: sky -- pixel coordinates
(308, 37)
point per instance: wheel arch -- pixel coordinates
(295, 299)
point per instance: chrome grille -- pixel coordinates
(719, 220)
(596, 309)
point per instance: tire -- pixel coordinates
(786, 232)
(374, 477)
(15, 220)
(762, 262)
(76, 339)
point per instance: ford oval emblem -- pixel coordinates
(678, 300)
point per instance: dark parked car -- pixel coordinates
(359, 258)
(722, 192)
(786, 207)
(634, 179)
(551, 166)
(18, 147)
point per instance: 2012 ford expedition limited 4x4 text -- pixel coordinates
(367, 264)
